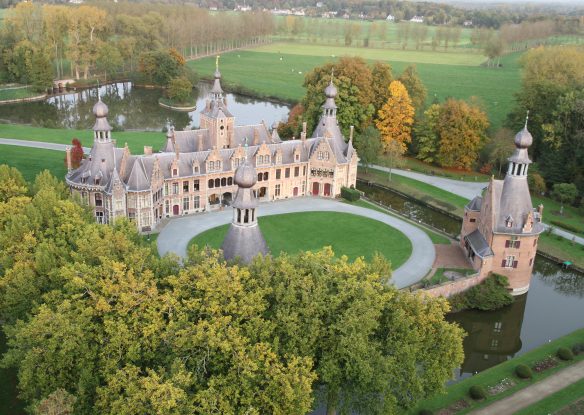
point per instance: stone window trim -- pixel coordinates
(509, 262)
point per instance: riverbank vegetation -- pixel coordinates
(502, 378)
(113, 322)
(491, 294)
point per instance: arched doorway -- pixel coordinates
(327, 189)
(263, 192)
(175, 210)
(227, 198)
(295, 191)
(214, 200)
(315, 188)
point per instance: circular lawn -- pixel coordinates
(348, 234)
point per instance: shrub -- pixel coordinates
(567, 226)
(491, 294)
(425, 412)
(523, 371)
(179, 90)
(578, 348)
(349, 194)
(565, 354)
(477, 392)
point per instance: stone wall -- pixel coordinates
(454, 287)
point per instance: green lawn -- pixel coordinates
(17, 92)
(136, 139)
(419, 166)
(562, 248)
(572, 216)
(283, 79)
(310, 231)
(558, 400)
(494, 375)
(418, 190)
(31, 161)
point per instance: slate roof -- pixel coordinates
(479, 244)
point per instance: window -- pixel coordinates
(195, 185)
(223, 181)
(211, 184)
(304, 170)
(175, 188)
(175, 172)
(494, 344)
(279, 159)
(278, 174)
(266, 175)
(196, 202)
(217, 165)
(320, 155)
(260, 177)
(165, 189)
(498, 327)
(196, 169)
(509, 222)
(229, 181)
(185, 187)
(287, 172)
(509, 262)
(217, 182)
(472, 220)
(211, 165)
(296, 171)
(296, 157)
(98, 200)
(277, 191)
(185, 204)
(167, 206)
(99, 217)
(326, 155)
(84, 198)
(513, 242)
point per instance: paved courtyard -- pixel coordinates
(177, 233)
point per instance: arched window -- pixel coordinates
(211, 183)
(223, 181)
(217, 182)
(259, 177)
(229, 181)
(266, 175)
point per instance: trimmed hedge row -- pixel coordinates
(567, 226)
(352, 195)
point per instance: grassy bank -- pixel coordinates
(136, 139)
(8, 93)
(284, 65)
(31, 161)
(506, 370)
(311, 231)
(562, 399)
(562, 248)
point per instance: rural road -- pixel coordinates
(464, 189)
(177, 233)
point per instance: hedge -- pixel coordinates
(567, 226)
(523, 371)
(349, 194)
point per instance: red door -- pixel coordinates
(315, 187)
(175, 210)
(327, 189)
(295, 191)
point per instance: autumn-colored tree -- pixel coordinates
(416, 89)
(461, 131)
(293, 126)
(77, 153)
(396, 117)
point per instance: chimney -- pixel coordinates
(303, 134)
(147, 150)
(68, 156)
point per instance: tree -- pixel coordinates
(368, 145)
(381, 78)
(12, 184)
(461, 133)
(160, 66)
(354, 100)
(536, 183)
(426, 135)
(500, 148)
(396, 117)
(180, 90)
(416, 89)
(41, 74)
(292, 127)
(109, 59)
(59, 402)
(564, 193)
(77, 153)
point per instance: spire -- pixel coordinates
(526, 119)
(217, 91)
(244, 239)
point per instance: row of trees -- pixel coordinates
(99, 324)
(113, 37)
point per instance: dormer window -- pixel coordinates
(279, 159)
(97, 181)
(296, 157)
(174, 172)
(509, 222)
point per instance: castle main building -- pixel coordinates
(500, 229)
(194, 170)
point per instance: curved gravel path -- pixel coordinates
(177, 233)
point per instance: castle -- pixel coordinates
(195, 169)
(500, 229)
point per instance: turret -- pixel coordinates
(101, 128)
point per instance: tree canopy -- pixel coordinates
(396, 117)
(95, 320)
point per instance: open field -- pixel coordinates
(310, 231)
(31, 161)
(263, 73)
(136, 139)
(494, 375)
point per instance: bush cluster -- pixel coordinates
(349, 194)
(565, 354)
(523, 371)
(491, 294)
(578, 348)
(477, 392)
(567, 226)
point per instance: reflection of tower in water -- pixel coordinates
(492, 336)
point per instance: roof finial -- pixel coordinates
(98, 96)
(245, 147)
(526, 119)
(332, 74)
(217, 63)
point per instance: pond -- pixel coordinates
(134, 108)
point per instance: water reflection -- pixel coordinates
(132, 108)
(411, 208)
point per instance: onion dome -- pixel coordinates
(100, 110)
(523, 139)
(331, 90)
(245, 175)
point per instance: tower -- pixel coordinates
(328, 124)
(216, 118)
(244, 239)
(101, 128)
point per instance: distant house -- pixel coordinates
(390, 18)
(417, 19)
(467, 23)
(346, 16)
(329, 15)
